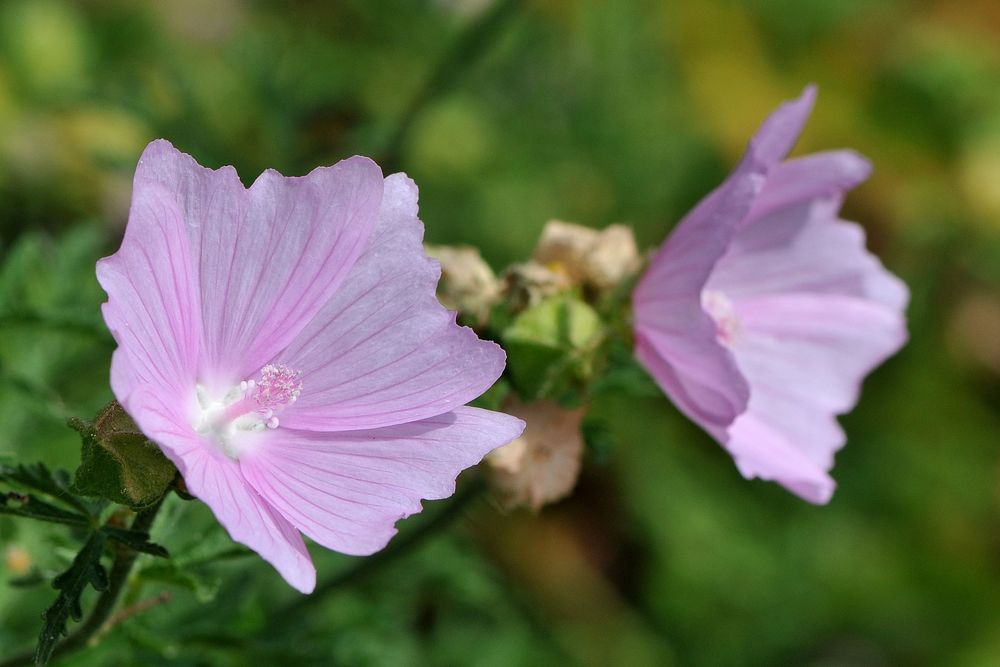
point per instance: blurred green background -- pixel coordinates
(508, 114)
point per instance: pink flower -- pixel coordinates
(284, 347)
(762, 312)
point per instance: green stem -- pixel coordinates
(456, 62)
(124, 560)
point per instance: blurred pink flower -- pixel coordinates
(762, 312)
(284, 347)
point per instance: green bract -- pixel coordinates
(550, 345)
(118, 462)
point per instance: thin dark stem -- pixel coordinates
(120, 569)
(454, 64)
(404, 544)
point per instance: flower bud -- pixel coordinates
(118, 462)
(542, 465)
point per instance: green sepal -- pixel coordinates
(119, 463)
(550, 346)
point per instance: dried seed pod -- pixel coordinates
(542, 465)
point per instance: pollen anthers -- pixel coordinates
(251, 406)
(278, 387)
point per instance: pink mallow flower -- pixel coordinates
(284, 347)
(762, 313)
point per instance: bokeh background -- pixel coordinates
(509, 113)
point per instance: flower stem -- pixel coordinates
(121, 567)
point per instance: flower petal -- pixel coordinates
(815, 176)
(819, 346)
(218, 482)
(346, 490)
(268, 258)
(805, 357)
(779, 132)
(675, 338)
(762, 451)
(383, 351)
(805, 248)
(153, 305)
(806, 311)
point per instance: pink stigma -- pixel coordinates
(721, 310)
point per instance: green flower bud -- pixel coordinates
(118, 462)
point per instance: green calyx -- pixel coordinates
(118, 462)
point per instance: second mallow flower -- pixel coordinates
(762, 313)
(284, 347)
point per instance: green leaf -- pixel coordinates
(119, 463)
(28, 506)
(85, 570)
(38, 477)
(135, 539)
(550, 346)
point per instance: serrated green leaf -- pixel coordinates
(549, 345)
(38, 477)
(119, 463)
(28, 506)
(85, 570)
(134, 539)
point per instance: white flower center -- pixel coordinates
(721, 310)
(251, 406)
